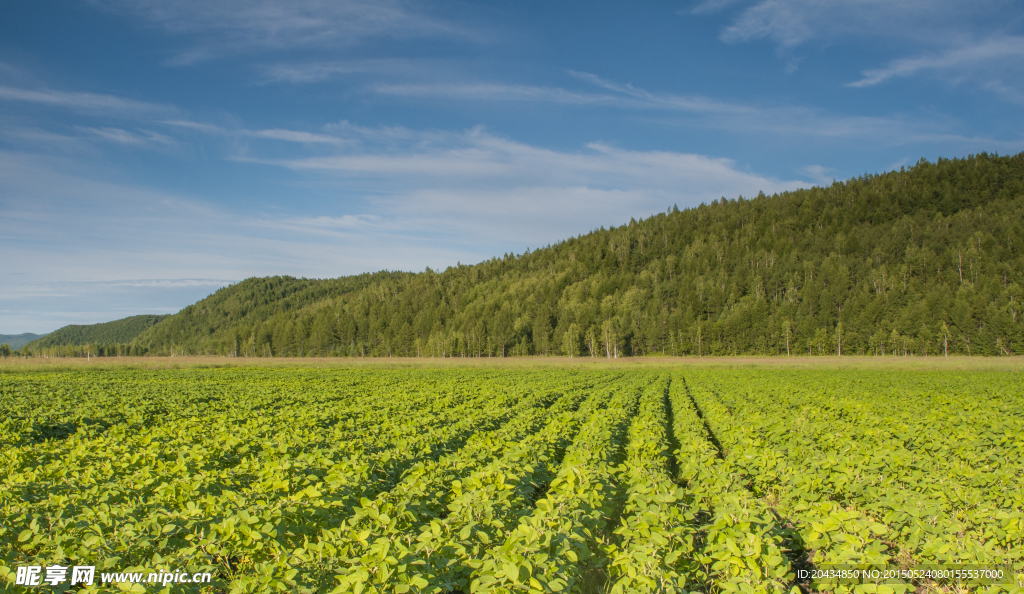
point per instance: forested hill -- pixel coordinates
(908, 262)
(120, 331)
(16, 341)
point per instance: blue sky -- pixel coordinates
(153, 151)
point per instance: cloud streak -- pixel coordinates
(704, 112)
(622, 96)
(91, 103)
(956, 40)
(280, 134)
(125, 137)
(232, 26)
(295, 136)
(956, 60)
(474, 189)
(313, 72)
(790, 23)
(477, 157)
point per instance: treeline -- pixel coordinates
(75, 350)
(107, 333)
(922, 261)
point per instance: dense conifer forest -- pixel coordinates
(921, 261)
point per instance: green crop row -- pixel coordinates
(437, 553)
(556, 547)
(655, 550)
(376, 543)
(744, 548)
(855, 493)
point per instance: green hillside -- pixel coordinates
(16, 341)
(117, 332)
(919, 261)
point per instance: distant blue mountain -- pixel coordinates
(16, 341)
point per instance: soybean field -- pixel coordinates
(517, 480)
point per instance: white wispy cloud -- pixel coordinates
(1007, 92)
(623, 96)
(281, 134)
(699, 111)
(953, 40)
(329, 226)
(790, 23)
(823, 176)
(55, 193)
(295, 136)
(477, 189)
(479, 91)
(318, 71)
(40, 136)
(86, 287)
(197, 126)
(165, 282)
(225, 26)
(694, 103)
(478, 155)
(485, 189)
(107, 105)
(136, 138)
(695, 111)
(956, 61)
(313, 72)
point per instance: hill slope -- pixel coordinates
(16, 341)
(920, 261)
(119, 331)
